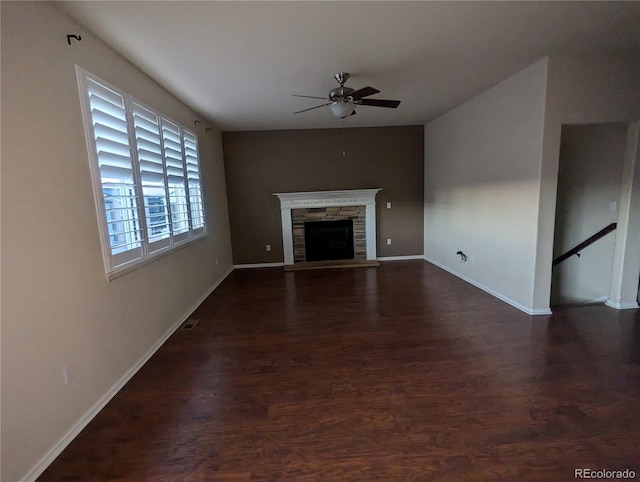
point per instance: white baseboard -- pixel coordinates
(622, 306)
(257, 265)
(400, 258)
(276, 265)
(537, 311)
(73, 432)
(500, 296)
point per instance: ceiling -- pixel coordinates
(238, 63)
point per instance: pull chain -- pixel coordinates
(342, 127)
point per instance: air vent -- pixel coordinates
(190, 324)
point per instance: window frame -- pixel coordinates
(148, 248)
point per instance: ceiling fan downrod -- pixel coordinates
(342, 93)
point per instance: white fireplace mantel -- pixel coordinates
(321, 199)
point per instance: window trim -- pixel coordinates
(145, 253)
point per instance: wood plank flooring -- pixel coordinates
(400, 372)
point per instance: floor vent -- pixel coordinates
(190, 324)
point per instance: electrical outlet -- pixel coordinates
(68, 374)
(268, 247)
(388, 204)
(388, 241)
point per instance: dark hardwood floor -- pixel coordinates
(401, 372)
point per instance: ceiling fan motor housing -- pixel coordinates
(340, 93)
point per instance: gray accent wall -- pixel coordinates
(261, 163)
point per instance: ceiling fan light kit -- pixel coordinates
(344, 100)
(342, 109)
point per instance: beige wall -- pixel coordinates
(581, 89)
(261, 163)
(589, 179)
(625, 286)
(482, 164)
(491, 173)
(58, 309)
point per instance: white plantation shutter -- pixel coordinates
(146, 173)
(193, 179)
(174, 162)
(108, 119)
(152, 177)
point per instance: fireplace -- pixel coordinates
(300, 217)
(356, 207)
(328, 240)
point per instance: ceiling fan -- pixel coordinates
(343, 100)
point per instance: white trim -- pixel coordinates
(83, 421)
(258, 265)
(400, 258)
(319, 199)
(500, 296)
(622, 306)
(370, 228)
(287, 235)
(161, 253)
(538, 311)
(280, 264)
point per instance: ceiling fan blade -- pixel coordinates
(311, 108)
(380, 103)
(364, 92)
(310, 97)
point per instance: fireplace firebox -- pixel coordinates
(328, 240)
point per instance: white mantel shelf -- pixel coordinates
(321, 199)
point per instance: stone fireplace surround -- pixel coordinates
(350, 204)
(300, 216)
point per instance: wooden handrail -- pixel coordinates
(587, 242)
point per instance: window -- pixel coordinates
(146, 176)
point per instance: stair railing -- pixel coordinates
(587, 242)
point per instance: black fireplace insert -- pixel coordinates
(328, 240)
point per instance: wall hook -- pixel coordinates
(463, 257)
(207, 129)
(77, 37)
(197, 122)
